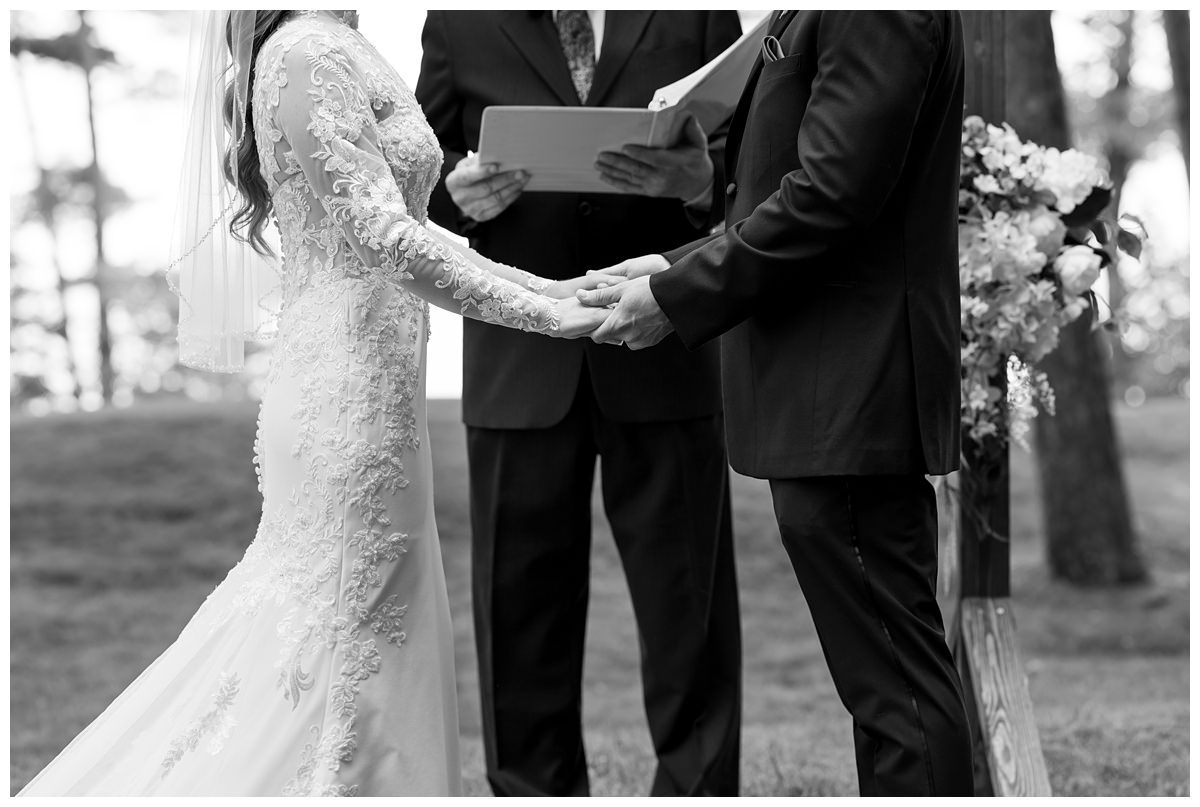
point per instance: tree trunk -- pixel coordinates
(1089, 535)
(46, 210)
(1120, 151)
(1179, 45)
(99, 215)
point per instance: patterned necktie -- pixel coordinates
(579, 46)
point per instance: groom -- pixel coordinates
(835, 292)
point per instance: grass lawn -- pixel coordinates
(122, 522)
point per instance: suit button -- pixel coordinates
(731, 189)
(585, 208)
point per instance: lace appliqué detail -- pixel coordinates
(350, 162)
(535, 283)
(326, 752)
(369, 157)
(215, 725)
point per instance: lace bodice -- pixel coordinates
(350, 163)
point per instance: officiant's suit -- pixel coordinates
(539, 411)
(835, 287)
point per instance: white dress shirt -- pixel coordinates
(597, 18)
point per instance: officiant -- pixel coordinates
(539, 412)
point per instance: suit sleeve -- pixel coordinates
(674, 256)
(437, 93)
(872, 73)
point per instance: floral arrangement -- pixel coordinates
(1031, 246)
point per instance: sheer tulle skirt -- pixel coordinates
(324, 663)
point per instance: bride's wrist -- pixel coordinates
(537, 285)
(554, 326)
(558, 290)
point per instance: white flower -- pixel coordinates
(1047, 228)
(1006, 243)
(1074, 309)
(1078, 268)
(983, 430)
(977, 398)
(1071, 176)
(974, 307)
(986, 183)
(993, 159)
(1011, 197)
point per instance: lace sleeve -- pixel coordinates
(534, 282)
(528, 280)
(326, 117)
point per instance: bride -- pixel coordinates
(324, 663)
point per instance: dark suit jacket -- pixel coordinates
(836, 285)
(474, 59)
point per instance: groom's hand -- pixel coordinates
(482, 191)
(636, 320)
(630, 269)
(681, 172)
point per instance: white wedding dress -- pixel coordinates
(324, 663)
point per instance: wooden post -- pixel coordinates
(982, 630)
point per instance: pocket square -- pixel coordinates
(772, 51)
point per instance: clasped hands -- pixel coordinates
(615, 306)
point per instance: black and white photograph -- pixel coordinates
(413, 402)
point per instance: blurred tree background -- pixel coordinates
(1111, 102)
(92, 321)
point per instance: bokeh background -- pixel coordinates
(133, 490)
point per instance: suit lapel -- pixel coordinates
(780, 25)
(622, 30)
(737, 124)
(536, 39)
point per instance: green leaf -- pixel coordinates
(1075, 236)
(1134, 224)
(1129, 243)
(1089, 208)
(1093, 308)
(1131, 235)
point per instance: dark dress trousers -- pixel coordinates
(835, 290)
(539, 411)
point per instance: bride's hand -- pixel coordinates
(630, 269)
(564, 289)
(608, 276)
(576, 319)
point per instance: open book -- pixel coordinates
(558, 145)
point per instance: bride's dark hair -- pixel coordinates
(249, 220)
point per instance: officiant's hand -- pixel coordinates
(483, 191)
(681, 172)
(636, 320)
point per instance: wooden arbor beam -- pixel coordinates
(975, 588)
